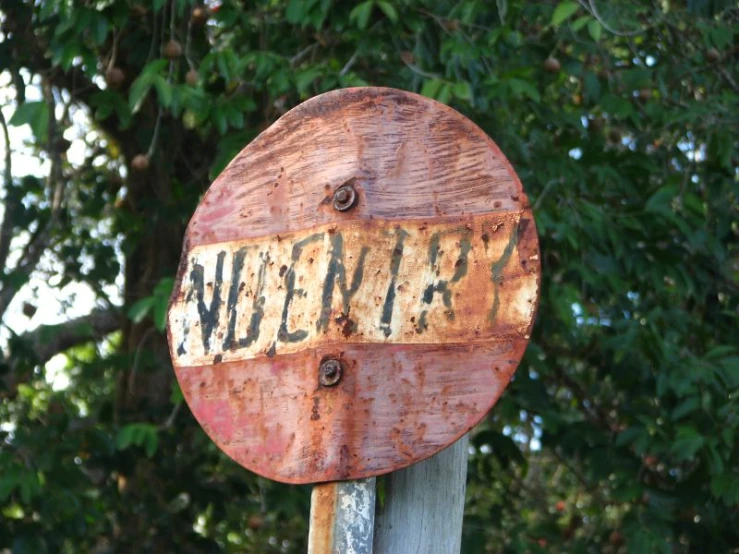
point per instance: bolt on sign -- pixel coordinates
(356, 288)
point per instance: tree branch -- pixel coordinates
(591, 8)
(6, 227)
(46, 341)
(50, 340)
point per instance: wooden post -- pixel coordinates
(423, 506)
(342, 516)
(422, 510)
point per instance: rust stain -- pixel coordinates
(426, 290)
(322, 517)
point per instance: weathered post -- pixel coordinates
(355, 292)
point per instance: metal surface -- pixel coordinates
(342, 517)
(425, 290)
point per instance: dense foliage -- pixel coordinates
(619, 432)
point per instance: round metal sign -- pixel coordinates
(356, 288)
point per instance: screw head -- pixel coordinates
(344, 198)
(329, 373)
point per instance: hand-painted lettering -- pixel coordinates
(336, 275)
(284, 334)
(208, 314)
(365, 282)
(496, 270)
(442, 285)
(387, 306)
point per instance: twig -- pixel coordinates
(171, 419)
(580, 477)
(349, 64)
(420, 71)
(136, 358)
(300, 55)
(155, 134)
(172, 20)
(114, 49)
(544, 192)
(589, 6)
(55, 184)
(152, 47)
(726, 75)
(188, 44)
(170, 75)
(6, 228)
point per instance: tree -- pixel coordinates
(619, 431)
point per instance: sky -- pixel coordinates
(53, 305)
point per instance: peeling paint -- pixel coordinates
(364, 282)
(342, 517)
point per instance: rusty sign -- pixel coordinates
(356, 288)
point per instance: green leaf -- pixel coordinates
(715, 462)
(228, 147)
(176, 395)
(564, 11)
(29, 544)
(595, 29)
(149, 76)
(361, 13)
(687, 443)
(388, 9)
(218, 115)
(580, 22)
(224, 67)
(591, 87)
(34, 114)
(630, 435)
(721, 36)
(719, 352)
(521, 87)
(235, 118)
(296, 11)
(164, 91)
(139, 89)
(431, 88)
(154, 68)
(463, 91)
(661, 200)
(159, 313)
(140, 309)
(138, 434)
(100, 28)
(306, 77)
(164, 287)
(445, 93)
(8, 482)
(160, 302)
(686, 407)
(151, 442)
(502, 10)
